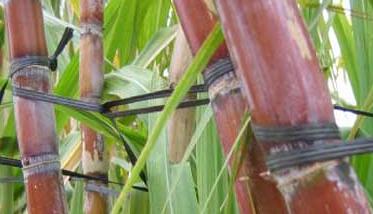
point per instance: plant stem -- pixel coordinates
(95, 157)
(281, 76)
(35, 121)
(229, 105)
(181, 125)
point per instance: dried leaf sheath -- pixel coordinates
(182, 123)
(226, 98)
(281, 76)
(35, 121)
(95, 159)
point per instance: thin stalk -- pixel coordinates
(35, 121)
(95, 157)
(198, 18)
(182, 123)
(281, 76)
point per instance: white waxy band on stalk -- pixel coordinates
(91, 29)
(40, 164)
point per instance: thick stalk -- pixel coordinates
(277, 64)
(95, 158)
(182, 123)
(226, 98)
(35, 121)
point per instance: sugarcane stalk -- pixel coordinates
(182, 123)
(35, 121)
(197, 19)
(281, 76)
(95, 157)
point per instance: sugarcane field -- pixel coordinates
(186, 106)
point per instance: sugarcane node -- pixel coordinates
(91, 28)
(302, 132)
(311, 135)
(20, 64)
(51, 62)
(320, 152)
(220, 78)
(217, 70)
(40, 164)
(100, 188)
(71, 174)
(224, 86)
